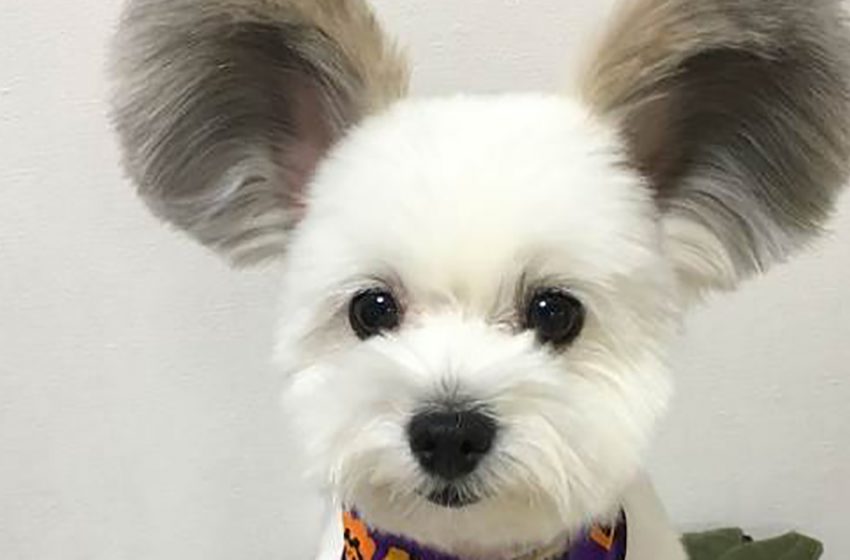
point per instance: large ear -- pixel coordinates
(736, 111)
(225, 107)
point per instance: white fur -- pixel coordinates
(458, 205)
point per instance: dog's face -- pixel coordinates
(478, 292)
(446, 277)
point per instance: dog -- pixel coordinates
(479, 292)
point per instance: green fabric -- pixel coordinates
(731, 544)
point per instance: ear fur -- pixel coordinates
(736, 111)
(225, 107)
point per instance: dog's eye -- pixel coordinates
(373, 312)
(556, 316)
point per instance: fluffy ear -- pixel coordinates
(736, 111)
(225, 107)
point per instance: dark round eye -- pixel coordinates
(373, 312)
(556, 317)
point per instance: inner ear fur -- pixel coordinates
(736, 112)
(224, 108)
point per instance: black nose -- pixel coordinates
(451, 444)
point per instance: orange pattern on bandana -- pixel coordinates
(604, 537)
(358, 544)
(396, 554)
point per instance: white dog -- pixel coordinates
(479, 291)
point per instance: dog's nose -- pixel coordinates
(450, 444)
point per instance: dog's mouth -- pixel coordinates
(453, 497)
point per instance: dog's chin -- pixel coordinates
(463, 521)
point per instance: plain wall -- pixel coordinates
(139, 418)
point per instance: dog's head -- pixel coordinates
(478, 291)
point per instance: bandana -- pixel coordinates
(364, 543)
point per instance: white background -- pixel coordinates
(138, 417)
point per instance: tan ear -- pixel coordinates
(225, 107)
(736, 111)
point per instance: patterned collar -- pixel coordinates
(363, 543)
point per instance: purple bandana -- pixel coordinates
(363, 543)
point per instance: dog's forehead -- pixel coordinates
(467, 186)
